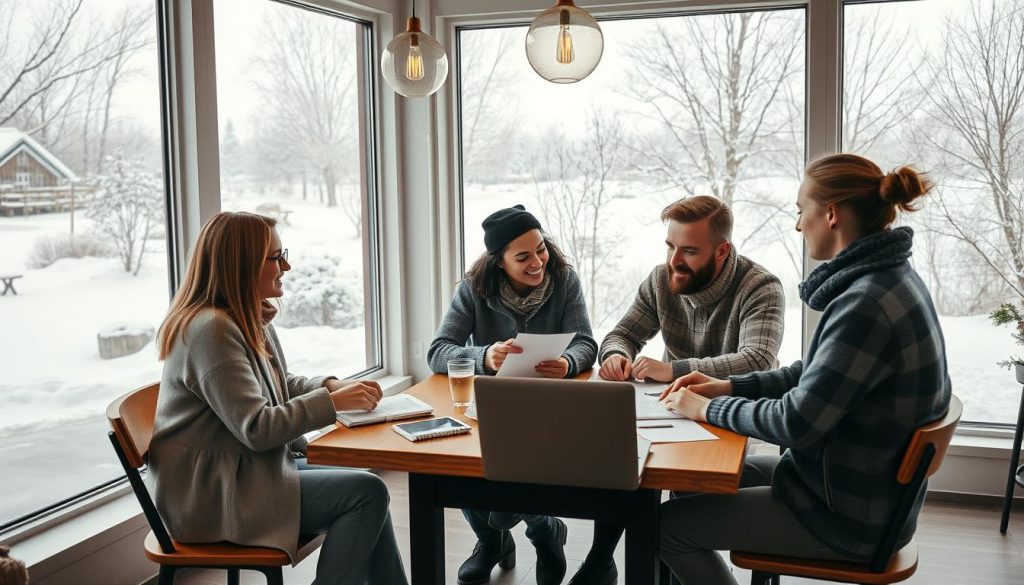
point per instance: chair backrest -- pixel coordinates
(922, 459)
(131, 417)
(937, 434)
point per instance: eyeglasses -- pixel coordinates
(282, 257)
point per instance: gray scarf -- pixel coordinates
(526, 307)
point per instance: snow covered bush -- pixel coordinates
(48, 249)
(316, 293)
(128, 206)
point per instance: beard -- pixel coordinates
(699, 279)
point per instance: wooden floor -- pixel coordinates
(959, 544)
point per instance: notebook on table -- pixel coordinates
(391, 408)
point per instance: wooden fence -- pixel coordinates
(30, 200)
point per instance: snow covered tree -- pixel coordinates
(127, 206)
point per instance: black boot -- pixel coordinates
(477, 568)
(598, 573)
(551, 554)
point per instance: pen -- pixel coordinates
(656, 426)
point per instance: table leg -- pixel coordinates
(9, 286)
(426, 531)
(642, 533)
(1014, 461)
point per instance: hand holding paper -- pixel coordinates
(536, 348)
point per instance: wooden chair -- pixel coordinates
(131, 416)
(924, 455)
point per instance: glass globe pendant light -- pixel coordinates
(564, 43)
(414, 63)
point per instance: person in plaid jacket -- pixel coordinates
(874, 371)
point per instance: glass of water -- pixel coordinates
(460, 381)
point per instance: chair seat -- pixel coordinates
(900, 567)
(226, 554)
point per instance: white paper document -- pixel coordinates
(673, 431)
(536, 348)
(651, 388)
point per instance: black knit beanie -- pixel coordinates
(505, 225)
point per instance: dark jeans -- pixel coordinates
(487, 525)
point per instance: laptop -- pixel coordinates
(560, 432)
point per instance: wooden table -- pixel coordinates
(448, 473)
(8, 282)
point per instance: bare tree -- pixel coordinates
(306, 78)
(573, 183)
(976, 128)
(489, 121)
(714, 83)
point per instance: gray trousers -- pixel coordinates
(351, 506)
(694, 526)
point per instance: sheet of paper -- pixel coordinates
(536, 348)
(674, 431)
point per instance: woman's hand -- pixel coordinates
(553, 368)
(497, 352)
(689, 404)
(361, 395)
(700, 384)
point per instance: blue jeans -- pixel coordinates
(351, 506)
(487, 525)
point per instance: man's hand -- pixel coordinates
(616, 367)
(700, 384)
(646, 368)
(362, 395)
(497, 352)
(553, 368)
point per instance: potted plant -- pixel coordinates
(1008, 314)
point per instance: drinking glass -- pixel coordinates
(460, 381)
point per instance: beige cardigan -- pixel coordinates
(219, 463)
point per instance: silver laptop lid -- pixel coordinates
(558, 432)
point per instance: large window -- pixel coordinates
(939, 85)
(293, 112)
(679, 105)
(82, 222)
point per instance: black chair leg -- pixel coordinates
(166, 575)
(1014, 462)
(233, 577)
(274, 575)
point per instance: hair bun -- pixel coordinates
(902, 186)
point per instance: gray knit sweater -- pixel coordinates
(733, 326)
(472, 324)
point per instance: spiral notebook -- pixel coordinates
(391, 408)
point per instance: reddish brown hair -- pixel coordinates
(699, 207)
(222, 274)
(861, 186)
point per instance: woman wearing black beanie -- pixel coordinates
(522, 283)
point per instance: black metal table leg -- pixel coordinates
(426, 531)
(1014, 463)
(642, 533)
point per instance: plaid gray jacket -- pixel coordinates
(733, 326)
(875, 370)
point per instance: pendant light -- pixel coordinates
(414, 63)
(564, 43)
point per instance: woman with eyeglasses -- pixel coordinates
(227, 456)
